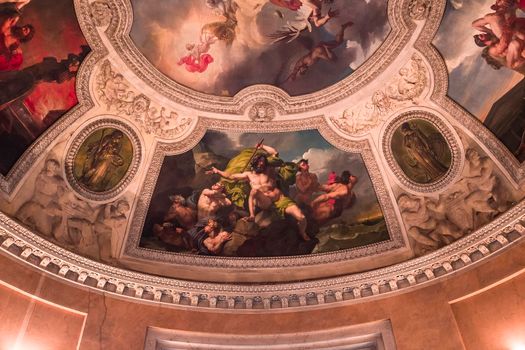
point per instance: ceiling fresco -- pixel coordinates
(300, 221)
(260, 154)
(221, 47)
(481, 44)
(42, 47)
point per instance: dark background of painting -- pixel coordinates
(57, 35)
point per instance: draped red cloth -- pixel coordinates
(521, 4)
(192, 65)
(293, 5)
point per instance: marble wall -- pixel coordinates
(477, 309)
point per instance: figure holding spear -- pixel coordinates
(265, 185)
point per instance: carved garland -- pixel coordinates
(402, 90)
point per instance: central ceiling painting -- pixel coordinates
(220, 47)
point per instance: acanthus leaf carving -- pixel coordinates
(119, 97)
(419, 9)
(406, 87)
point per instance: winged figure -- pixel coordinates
(308, 12)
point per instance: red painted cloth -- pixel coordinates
(192, 65)
(14, 62)
(293, 5)
(521, 4)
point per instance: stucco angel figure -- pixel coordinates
(43, 211)
(419, 222)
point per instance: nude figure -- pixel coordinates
(337, 198)
(306, 183)
(264, 192)
(504, 33)
(316, 16)
(211, 200)
(329, 205)
(215, 241)
(185, 217)
(208, 239)
(323, 51)
(198, 58)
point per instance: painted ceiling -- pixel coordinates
(221, 142)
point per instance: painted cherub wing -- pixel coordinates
(292, 30)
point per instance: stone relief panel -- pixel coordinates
(51, 209)
(480, 195)
(405, 89)
(120, 97)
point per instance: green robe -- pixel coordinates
(239, 191)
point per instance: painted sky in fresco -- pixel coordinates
(162, 31)
(473, 83)
(322, 157)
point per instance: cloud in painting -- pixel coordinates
(162, 31)
(323, 161)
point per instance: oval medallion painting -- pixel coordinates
(421, 151)
(220, 47)
(103, 160)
